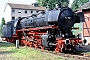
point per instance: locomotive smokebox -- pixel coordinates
(66, 19)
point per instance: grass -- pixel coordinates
(8, 51)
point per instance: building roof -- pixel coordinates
(23, 6)
(85, 6)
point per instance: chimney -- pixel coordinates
(35, 4)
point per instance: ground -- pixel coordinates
(8, 51)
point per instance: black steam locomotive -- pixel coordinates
(62, 18)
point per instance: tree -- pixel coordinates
(51, 3)
(77, 3)
(2, 23)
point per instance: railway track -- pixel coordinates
(68, 55)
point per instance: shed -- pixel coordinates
(86, 25)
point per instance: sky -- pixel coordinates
(3, 4)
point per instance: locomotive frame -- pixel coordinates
(33, 39)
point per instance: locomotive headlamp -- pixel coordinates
(67, 41)
(58, 6)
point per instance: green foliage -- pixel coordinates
(77, 3)
(80, 25)
(8, 51)
(51, 3)
(2, 23)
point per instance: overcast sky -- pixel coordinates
(3, 3)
